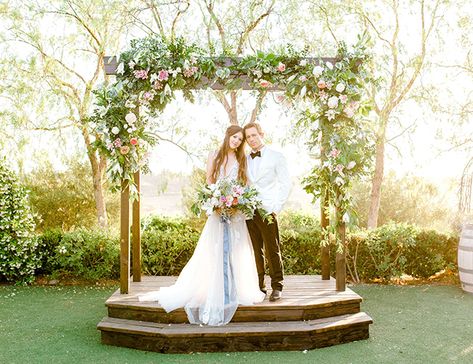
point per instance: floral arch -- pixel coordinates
(329, 90)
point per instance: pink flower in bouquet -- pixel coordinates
(280, 98)
(235, 201)
(157, 85)
(117, 143)
(349, 112)
(134, 141)
(141, 74)
(264, 83)
(339, 168)
(321, 84)
(303, 78)
(124, 149)
(334, 153)
(229, 200)
(281, 67)
(148, 96)
(163, 75)
(343, 99)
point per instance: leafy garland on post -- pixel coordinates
(150, 72)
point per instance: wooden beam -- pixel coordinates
(111, 64)
(136, 233)
(125, 239)
(340, 263)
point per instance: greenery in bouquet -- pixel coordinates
(226, 197)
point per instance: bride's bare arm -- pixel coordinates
(210, 167)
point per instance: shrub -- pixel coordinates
(167, 244)
(87, 254)
(66, 199)
(18, 254)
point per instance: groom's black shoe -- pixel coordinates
(263, 290)
(275, 295)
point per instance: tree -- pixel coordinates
(65, 66)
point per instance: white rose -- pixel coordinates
(120, 68)
(130, 118)
(346, 217)
(351, 165)
(339, 181)
(329, 65)
(317, 71)
(303, 63)
(332, 102)
(130, 130)
(131, 64)
(115, 130)
(340, 87)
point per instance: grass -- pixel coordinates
(412, 324)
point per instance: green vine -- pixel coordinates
(333, 118)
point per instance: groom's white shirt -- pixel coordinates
(270, 175)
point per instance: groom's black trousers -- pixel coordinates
(265, 239)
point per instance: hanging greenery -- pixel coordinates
(333, 117)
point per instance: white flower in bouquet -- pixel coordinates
(332, 102)
(340, 87)
(317, 71)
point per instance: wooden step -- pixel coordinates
(238, 336)
(304, 298)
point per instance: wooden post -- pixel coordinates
(136, 233)
(340, 263)
(125, 239)
(324, 217)
(325, 249)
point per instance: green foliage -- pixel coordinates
(66, 199)
(167, 244)
(86, 254)
(18, 254)
(417, 201)
(395, 249)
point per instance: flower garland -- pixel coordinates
(153, 68)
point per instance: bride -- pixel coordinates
(221, 273)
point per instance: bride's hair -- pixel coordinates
(221, 157)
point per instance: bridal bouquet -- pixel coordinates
(228, 196)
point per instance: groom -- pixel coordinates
(267, 171)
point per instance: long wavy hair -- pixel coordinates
(221, 157)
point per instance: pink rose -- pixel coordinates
(141, 74)
(349, 111)
(281, 67)
(124, 149)
(134, 141)
(163, 75)
(321, 84)
(117, 143)
(334, 153)
(264, 83)
(148, 96)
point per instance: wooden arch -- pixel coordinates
(110, 66)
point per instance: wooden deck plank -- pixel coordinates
(292, 335)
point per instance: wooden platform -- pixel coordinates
(311, 314)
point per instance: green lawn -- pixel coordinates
(412, 324)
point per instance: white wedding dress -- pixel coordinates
(220, 275)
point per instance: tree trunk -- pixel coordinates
(98, 168)
(375, 197)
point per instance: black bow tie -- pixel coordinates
(255, 154)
